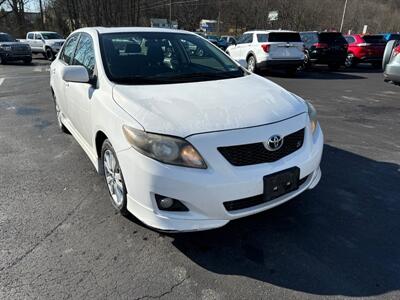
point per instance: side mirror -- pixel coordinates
(75, 74)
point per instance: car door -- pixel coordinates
(237, 52)
(58, 84)
(80, 95)
(38, 42)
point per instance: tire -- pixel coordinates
(388, 53)
(350, 61)
(334, 66)
(307, 62)
(376, 65)
(49, 54)
(251, 63)
(113, 178)
(291, 72)
(27, 61)
(58, 114)
(2, 60)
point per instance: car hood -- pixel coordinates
(189, 108)
(13, 44)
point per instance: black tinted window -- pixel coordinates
(331, 37)
(262, 38)
(374, 39)
(394, 37)
(84, 54)
(69, 49)
(30, 36)
(51, 36)
(292, 37)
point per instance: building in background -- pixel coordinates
(163, 23)
(208, 25)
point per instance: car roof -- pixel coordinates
(42, 32)
(269, 31)
(104, 30)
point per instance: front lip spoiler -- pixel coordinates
(247, 127)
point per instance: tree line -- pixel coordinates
(234, 16)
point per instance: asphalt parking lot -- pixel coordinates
(60, 237)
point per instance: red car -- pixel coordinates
(365, 48)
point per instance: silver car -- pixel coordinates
(391, 62)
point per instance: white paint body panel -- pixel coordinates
(281, 51)
(209, 114)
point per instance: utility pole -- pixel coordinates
(41, 13)
(170, 13)
(344, 13)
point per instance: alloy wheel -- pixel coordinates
(349, 61)
(251, 64)
(113, 178)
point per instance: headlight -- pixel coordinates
(6, 48)
(312, 114)
(169, 150)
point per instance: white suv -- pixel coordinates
(257, 50)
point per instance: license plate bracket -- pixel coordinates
(281, 183)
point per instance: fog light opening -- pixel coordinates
(169, 204)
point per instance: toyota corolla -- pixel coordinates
(185, 137)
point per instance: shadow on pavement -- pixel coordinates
(342, 238)
(315, 74)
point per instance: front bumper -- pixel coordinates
(9, 56)
(392, 72)
(203, 192)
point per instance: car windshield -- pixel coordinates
(51, 36)
(160, 58)
(394, 37)
(332, 38)
(6, 38)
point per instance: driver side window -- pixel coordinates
(69, 49)
(84, 54)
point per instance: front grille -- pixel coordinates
(251, 201)
(251, 154)
(20, 49)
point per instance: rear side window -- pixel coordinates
(309, 38)
(374, 39)
(262, 38)
(84, 54)
(69, 49)
(30, 36)
(245, 38)
(292, 37)
(350, 39)
(332, 38)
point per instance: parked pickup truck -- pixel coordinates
(46, 42)
(12, 50)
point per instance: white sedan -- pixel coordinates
(186, 138)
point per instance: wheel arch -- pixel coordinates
(251, 53)
(100, 137)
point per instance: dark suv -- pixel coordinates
(329, 48)
(11, 50)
